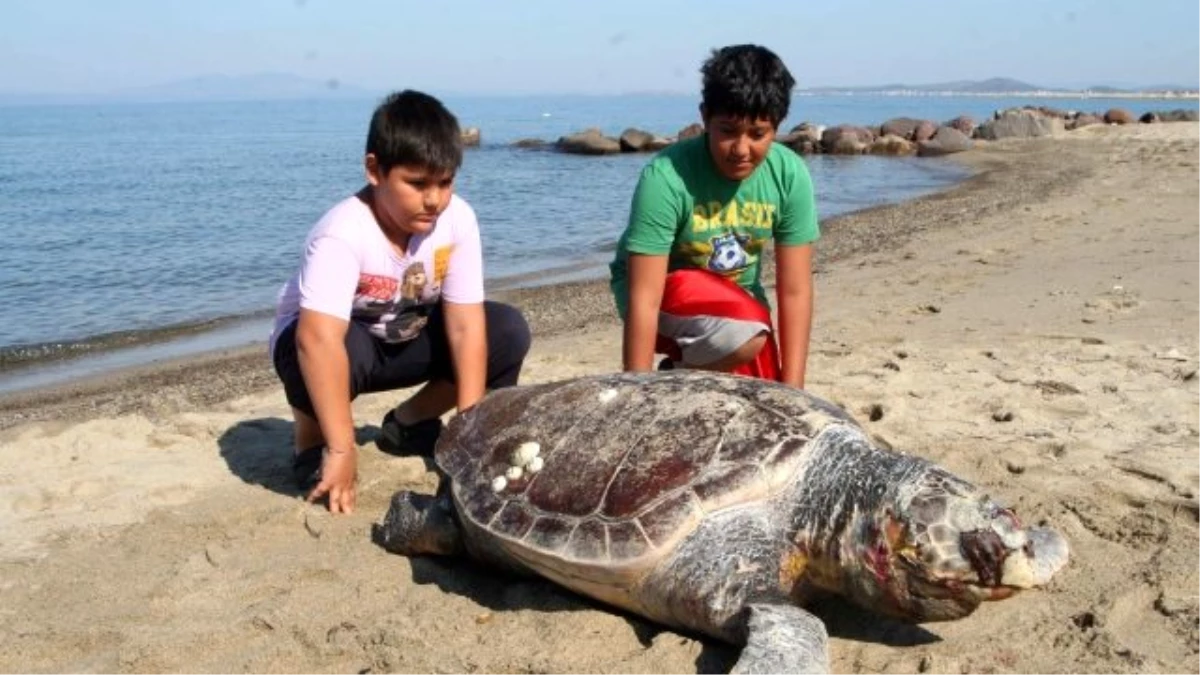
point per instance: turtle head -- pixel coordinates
(938, 547)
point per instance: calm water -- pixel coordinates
(123, 220)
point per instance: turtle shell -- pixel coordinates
(631, 462)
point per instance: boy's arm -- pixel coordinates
(655, 213)
(793, 284)
(795, 232)
(325, 366)
(466, 331)
(647, 274)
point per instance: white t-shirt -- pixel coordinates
(351, 271)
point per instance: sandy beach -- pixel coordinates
(1034, 329)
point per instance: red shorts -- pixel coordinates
(705, 316)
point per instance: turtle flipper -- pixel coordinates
(783, 639)
(418, 524)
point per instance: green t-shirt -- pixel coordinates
(683, 208)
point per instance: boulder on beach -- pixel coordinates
(946, 140)
(690, 131)
(963, 123)
(847, 139)
(900, 126)
(1083, 120)
(924, 131)
(1019, 124)
(471, 137)
(1118, 116)
(531, 144)
(804, 138)
(1178, 115)
(635, 140)
(892, 145)
(588, 142)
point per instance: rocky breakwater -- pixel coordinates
(897, 137)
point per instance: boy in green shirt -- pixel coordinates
(686, 276)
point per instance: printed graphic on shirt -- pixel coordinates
(411, 314)
(441, 263)
(728, 253)
(726, 238)
(374, 296)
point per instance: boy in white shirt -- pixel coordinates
(390, 295)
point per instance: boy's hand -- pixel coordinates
(339, 475)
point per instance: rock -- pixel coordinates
(924, 131)
(1179, 115)
(1149, 118)
(531, 143)
(657, 143)
(963, 123)
(588, 142)
(847, 139)
(1023, 124)
(804, 138)
(947, 140)
(690, 131)
(1118, 116)
(1083, 120)
(635, 140)
(899, 126)
(893, 145)
(1052, 112)
(471, 137)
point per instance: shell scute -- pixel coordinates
(626, 540)
(664, 520)
(589, 541)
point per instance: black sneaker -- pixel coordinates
(666, 364)
(406, 441)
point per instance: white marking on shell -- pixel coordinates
(499, 483)
(608, 395)
(524, 453)
(535, 465)
(514, 473)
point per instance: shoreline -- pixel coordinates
(217, 375)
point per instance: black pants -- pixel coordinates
(376, 365)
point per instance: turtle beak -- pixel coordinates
(1014, 560)
(1043, 555)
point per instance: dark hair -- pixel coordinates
(412, 128)
(747, 81)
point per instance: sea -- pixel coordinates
(137, 232)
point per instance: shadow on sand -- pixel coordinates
(259, 452)
(502, 591)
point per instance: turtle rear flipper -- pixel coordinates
(783, 639)
(418, 524)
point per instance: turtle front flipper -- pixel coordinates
(783, 639)
(418, 524)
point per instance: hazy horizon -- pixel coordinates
(473, 47)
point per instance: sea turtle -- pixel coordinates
(715, 503)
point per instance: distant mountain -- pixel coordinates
(256, 87)
(992, 85)
(995, 85)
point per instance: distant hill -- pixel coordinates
(995, 85)
(992, 85)
(256, 87)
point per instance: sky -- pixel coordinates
(567, 46)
